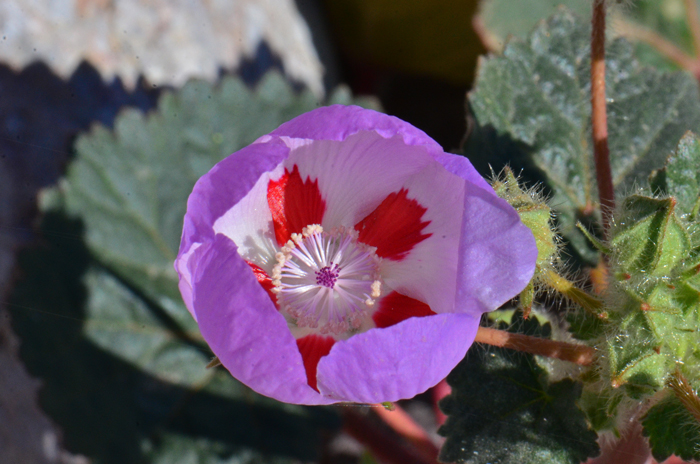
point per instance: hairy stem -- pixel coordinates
(599, 116)
(566, 288)
(579, 354)
(662, 45)
(387, 447)
(685, 393)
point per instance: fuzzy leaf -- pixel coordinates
(133, 349)
(534, 102)
(635, 356)
(503, 409)
(114, 402)
(680, 178)
(642, 22)
(648, 237)
(672, 430)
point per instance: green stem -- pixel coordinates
(575, 294)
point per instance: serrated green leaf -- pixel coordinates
(130, 187)
(585, 326)
(600, 403)
(117, 375)
(120, 322)
(537, 95)
(129, 190)
(648, 237)
(503, 410)
(635, 357)
(644, 22)
(682, 175)
(672, 430)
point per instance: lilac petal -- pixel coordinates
(462, 167)
(224, 186)
(337, 122)
(215, 193)
(497, 253)
(244, 329)
(182, 266)
(397, 362)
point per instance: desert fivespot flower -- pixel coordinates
(346, 257)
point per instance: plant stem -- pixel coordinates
(684, 392)
(387, 447)
(566, 288)
(440, 391)
(579, 354)
(662, 45)
(403, 424)
(599, 116)
(691, 11)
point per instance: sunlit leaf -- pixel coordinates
(532, 106)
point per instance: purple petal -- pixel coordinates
(462, 167)
(243, 328)
(337, 122)
(397, 362)
(497, 252)
(224, 186)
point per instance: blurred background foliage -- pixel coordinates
(90, 304)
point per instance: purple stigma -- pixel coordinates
(328, 275)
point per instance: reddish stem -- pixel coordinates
(662, 45)
(599, 116)
(579, 354)
(403, 424)
(440, 391)
(387, 447)
(684, 392)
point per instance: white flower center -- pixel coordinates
(326, 280)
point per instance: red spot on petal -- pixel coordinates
(394, 227)
(294, 204)
(312, 349)
(264, 280)
(396, 307)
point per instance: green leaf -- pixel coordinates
(170, 448)
(504, 409)
(117, 375)
(110, 332)
(648, 237)
(672, 430)
(500, 19)
(681, 176)
(644, 22)
(534, 102)
(636, 360)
